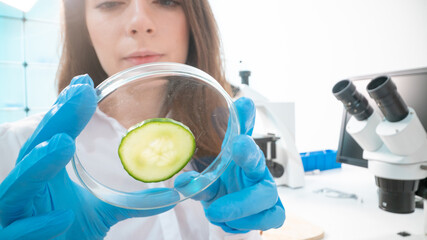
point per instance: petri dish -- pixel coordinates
(158, 90)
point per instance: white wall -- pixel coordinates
(297, 50)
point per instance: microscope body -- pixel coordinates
(404, 150)
(395, 144)
(396, 152)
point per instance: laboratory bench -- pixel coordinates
(343, 203)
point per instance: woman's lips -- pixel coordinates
(137, 60)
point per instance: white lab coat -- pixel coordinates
(185, 221)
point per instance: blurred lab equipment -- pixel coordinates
(317, 161)
(392, 137)
(274, 132)
(267, 143)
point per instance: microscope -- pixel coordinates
(275, 135)
(394, 143)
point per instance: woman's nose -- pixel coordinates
(140, 18)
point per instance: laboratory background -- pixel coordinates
(293, 53)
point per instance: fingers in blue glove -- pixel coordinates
(82, 79)
(247, 155)
(246, 111)
(267, 219)
(46, 226)
(30, 176)
(241, 204)
(71, 112)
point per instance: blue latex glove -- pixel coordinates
(245, 196)
(37, 199)
(46, 226)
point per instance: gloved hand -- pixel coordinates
(245, 196)
(38, 200)
(46, 226)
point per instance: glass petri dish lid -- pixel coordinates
(156, 90)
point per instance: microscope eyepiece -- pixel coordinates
(384, 92)
(354, 102)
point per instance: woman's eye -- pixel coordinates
(109, 5)
(168, 3)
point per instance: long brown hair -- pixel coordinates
(79, 57)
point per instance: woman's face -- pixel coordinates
(126, 33)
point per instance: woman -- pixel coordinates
(38, 200)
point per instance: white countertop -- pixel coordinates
(349, 218)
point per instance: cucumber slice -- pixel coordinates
(156, 149)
